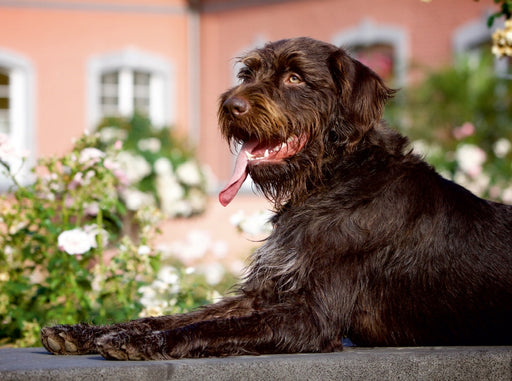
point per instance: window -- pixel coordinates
(381, 47)
(141, 93)
(16, 106)
(379, 57)
(131, 81)
(126, 91)
(109, 93)
(4, 101)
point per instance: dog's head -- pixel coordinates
(299, 104)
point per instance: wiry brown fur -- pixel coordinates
(368, 241)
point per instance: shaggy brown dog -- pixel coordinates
(369, 241)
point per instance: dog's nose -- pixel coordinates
(236, 106)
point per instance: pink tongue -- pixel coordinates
(239, 175)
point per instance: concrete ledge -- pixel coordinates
(426, 363)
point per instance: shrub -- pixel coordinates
(73, 250)
(65, 256)
(161, 169)
(460, 118)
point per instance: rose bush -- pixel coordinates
(73, 248)
(460, 119)
(65, 257)
(162, 171)
(194, 270)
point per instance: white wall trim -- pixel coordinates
(22, 93)
(474, 33)
(258, 42)
(367, 33)
(92, 6)
(194, 76)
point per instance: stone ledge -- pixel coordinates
(422, 363)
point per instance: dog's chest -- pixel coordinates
(278, 265)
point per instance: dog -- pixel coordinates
(369, 242)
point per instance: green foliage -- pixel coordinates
(179, 288)
(161, 168)
(62, 261)
(72, 252)
(505, 11)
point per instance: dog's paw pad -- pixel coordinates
(52, 345)
(70, 347)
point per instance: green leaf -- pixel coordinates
(490, 19)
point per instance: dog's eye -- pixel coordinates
(244, 78)
(293, 79)
(245, 75)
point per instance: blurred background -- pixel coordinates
(149, 73)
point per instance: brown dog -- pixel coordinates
(369, 241)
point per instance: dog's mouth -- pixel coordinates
(254, 153)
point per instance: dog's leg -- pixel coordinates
(81, 338)
(280, 329)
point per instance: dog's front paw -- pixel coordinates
(125, 345)
(69, 339)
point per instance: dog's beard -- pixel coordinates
(289, 180)
(275, 181)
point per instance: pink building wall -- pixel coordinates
(60, 40)
(60, 37)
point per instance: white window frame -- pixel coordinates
(368, 33)
(21, 110)
(258, 42)
(162, 109)
(476, 32)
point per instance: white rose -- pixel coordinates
(135, 199)
(75, 241)
(135, 166)
(470, 159)
(150, 144)
(90, 156)
(163, 166)
(189, 173)
(144, 250)
(502, 147)
(168, 275)
(213, 273)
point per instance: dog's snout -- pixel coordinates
(236, 106)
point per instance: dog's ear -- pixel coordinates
(362, 93)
